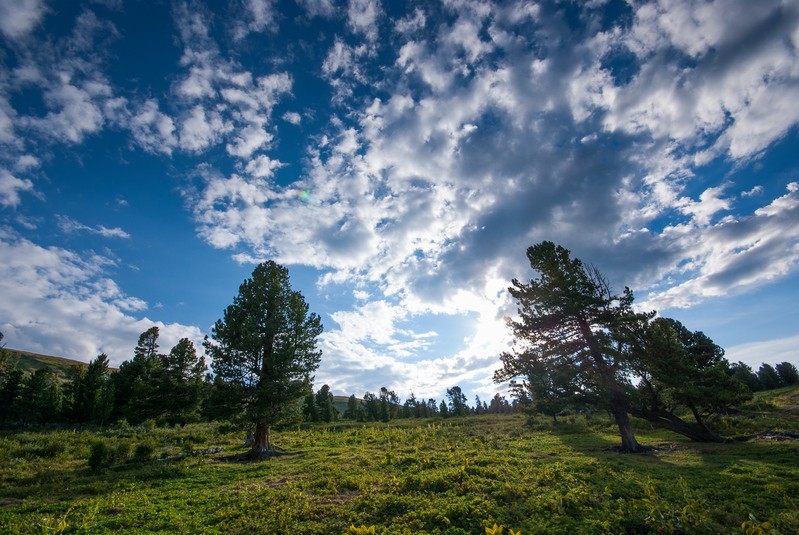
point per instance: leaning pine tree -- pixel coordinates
(264, 354)
(565, 319)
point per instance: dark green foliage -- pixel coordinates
(371, 407)
(92, 393)
(566, 317)
(499, 405)
(310, 411)
(41, 398)
(354, 409)
(144, 452)
(323, 400)
(769, 378)
(168, 387)
(681, 369)
(104, 453)
(264, 352)
(11, 384)
(743, 373)
(389, 402)
(443, 409)
(180, 382)
(457, 402)
(137, 382)
(789, 376)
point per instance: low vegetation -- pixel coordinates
(470, 475)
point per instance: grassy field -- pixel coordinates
(432, 476)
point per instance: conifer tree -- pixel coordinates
(264, 353)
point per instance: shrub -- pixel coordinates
(103, 453)
(144, 452)
(99, 455)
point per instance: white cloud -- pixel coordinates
(241, 118)
(77, 111)
(362, 16)
(318, 8)
(757, 190)
(260, 16)
(59, 302)
(744, 70)
(69, 225)
(199, 129)
(292, 117)
(11, 187)
(734, 255)
(411, 23)
(153, 130)
(18, 17)
(766, 351)
(709, 204)
(262, 166)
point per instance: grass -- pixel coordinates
(30, 362)
(457, 476)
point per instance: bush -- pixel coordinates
(103, 454)
(144, 452)
(99, 455)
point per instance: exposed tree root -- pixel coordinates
(767, 435)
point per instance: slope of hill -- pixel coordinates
(30, 362)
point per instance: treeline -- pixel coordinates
(385, 406)
(168, 387)
(174, 388)
(768, 377)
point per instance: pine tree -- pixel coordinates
(264, 353)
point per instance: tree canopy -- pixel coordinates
(567, 315)
(578, 343)
(681, 369)
(264, 353)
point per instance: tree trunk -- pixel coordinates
(618, 407)
(262, 443)
(667, 420)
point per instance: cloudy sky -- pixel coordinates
(399, 158)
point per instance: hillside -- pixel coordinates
(447, 477)
(30, 362)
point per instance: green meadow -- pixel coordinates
(443, 476)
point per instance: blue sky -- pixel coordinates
(399, 158)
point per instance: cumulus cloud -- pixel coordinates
(467, 132)
(18, 18)
(60, 302)
(221, 101)
(318, 8)
(488, 135)
(362, 16)
(11, 187)
(260, 16)
(742, 70)
(733, 255)
(152, 129)
(292, 117)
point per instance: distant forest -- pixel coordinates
(176, 388)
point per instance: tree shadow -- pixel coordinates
(583, 439)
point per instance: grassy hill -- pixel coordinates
(30, 362)
(446, 477)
